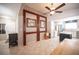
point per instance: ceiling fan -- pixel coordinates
(52, 11)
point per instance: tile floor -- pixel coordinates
(67, 47)
(43, 47)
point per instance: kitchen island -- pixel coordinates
(64, 35)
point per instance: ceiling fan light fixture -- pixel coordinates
(52, 12)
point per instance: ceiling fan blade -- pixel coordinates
(60, 6)
(58, 11)
(48, 8)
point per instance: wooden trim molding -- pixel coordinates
(24, 29)
(42, 31)
(46, 24)
(38, 29)
(34, 32)
(31, 33)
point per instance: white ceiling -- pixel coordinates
(9, 9)
(70, 6)
(41, 6)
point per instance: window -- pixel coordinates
(2, 29)
(71, 25)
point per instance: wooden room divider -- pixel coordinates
(34, 25)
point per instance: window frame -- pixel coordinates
(2, 29)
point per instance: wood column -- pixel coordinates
(24, 29)
(38, 29)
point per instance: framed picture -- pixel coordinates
(31, 22)
(42, 24)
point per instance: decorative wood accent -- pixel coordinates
(24, 29)
(34, 32)
(31, 32)
(37, 26)
(38, 29)
(46, 24)
(42, 31)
